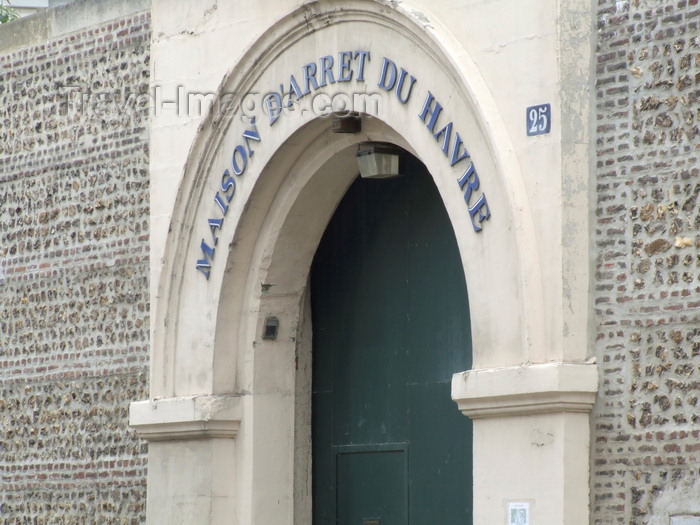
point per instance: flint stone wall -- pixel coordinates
(646, 425)
(74, 243)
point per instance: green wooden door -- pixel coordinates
(391, 326)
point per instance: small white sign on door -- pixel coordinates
(518, 513)
(685, 520)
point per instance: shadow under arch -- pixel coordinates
(273, 252)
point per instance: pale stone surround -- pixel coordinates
(526, 272)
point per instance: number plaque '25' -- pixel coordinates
(539, 119)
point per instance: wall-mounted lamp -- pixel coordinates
(378, 160)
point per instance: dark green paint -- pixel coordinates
(391, 326)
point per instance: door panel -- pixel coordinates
(391, 326)
(372, 486)
(440, 458)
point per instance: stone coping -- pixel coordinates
(527, 389)
(189, 417)
(47, 24)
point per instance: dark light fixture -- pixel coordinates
(378, 160)
(346, 123)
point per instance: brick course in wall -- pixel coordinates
(74, 244)
(646, 424)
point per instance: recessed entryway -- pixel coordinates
(390, 327)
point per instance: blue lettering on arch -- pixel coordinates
(331, 71)
(479, 211)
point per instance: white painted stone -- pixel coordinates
(527, 272)
(190, 417)
(532, 389)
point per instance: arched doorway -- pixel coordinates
(214, 377)
(391, 326)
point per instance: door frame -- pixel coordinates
(407, 224)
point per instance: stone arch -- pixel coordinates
(500, 262)
(214, 377)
